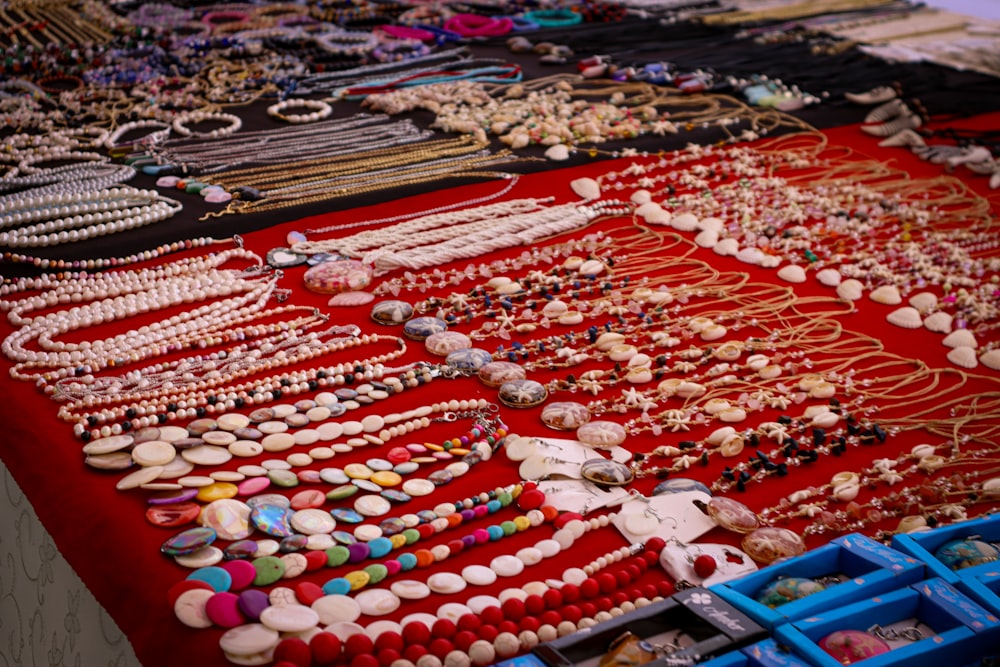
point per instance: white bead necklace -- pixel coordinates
(68, 218)
(479, 238)
(359, 243)
(83, 286)
(77, 177)
(214, 286)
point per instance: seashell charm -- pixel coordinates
(886, 294)
(906, 317)
(792, 273)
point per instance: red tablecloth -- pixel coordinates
(104, 536)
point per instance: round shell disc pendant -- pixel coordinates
(443, 343)
(966, 552)
(497, 373)
(565, 415)
(601, 434)
(787, 589)
(471, 359)
(850, 646)
(391, 312)
(337, 275)
(769, 543)
(522, 393)
(732, 515)
(606, 472)
(419, 328)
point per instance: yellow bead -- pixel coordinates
(387, 478)
(398, 541)
(357, 579)
(217, 491)
(522, 523)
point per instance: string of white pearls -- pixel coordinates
(72, 217)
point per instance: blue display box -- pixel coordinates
(765, 653)
(964, 632)
(868, 567)
(984, 588)
(923, 545)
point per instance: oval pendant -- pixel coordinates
(966, 552)
(732, 515)
(497, 373)
(391, 312)
(419, 328)
(522, 393)
(606, 472)
(565, 415)
(770, 543)
(850, 646)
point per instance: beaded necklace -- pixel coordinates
(68, 218)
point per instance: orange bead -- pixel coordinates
(454, 520)
(549, 512)
(424, 557)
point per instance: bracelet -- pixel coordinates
(523, 24)
(441, 36)
(554, 18)
(345, 42)
(405, 32)
(216, 19)
(474, 25)
(320, 111)
(426, 15)
(402, 49)
(180, 124)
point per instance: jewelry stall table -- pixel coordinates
(699, 326)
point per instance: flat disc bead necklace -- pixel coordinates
(510, 605)
(399, 532)
(308, 422)
(474, 239)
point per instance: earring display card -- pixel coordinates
(850, 568)
(882, 631)
(671, 516)
(686, 628)
(958, 550)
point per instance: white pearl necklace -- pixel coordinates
(72, 217)
(119, 296)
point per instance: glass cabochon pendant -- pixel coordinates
(770, 543)
(605, 472)
(730, 514)
(851, 646)
(966, 552)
